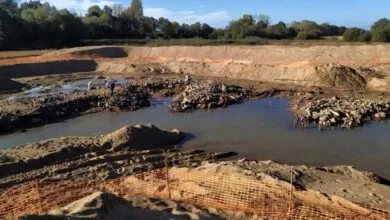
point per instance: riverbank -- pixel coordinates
(136, 149)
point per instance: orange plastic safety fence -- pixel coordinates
(221, 191)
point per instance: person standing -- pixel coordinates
(108, 83)
(89, 85)
(112, 87)
(187, 79)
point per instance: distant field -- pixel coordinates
(327, 41)
(23, 53)
(175, 42)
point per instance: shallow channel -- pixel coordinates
(261, 129)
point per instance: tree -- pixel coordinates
(136, 9)
(365, 37)
(277, 31)
(70, 29)
(166, 28)
(117, 10)
(9, 27)
(94, 11)
(382, 23)
(241, 28)
(330, 30)
(9, 5)
(263, 21)
(205, 30)
(381, 35)
(195, 29)
(107, 10)
(381, 30)
(30, 5)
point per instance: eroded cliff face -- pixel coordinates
(347, 67)
(341, 67)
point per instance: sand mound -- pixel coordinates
(142, 137)
(7, 84)
(26, 157)
(99, 205)
(102, 205)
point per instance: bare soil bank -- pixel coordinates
(346, 67)
(343, 67)
(135, 149)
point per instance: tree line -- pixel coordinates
(38, 25)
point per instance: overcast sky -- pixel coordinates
(360, 13)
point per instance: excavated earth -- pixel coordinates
(135, 149)
(361, 67)
(129, 150)
(358, 77)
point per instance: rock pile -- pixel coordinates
(57, 107)
(345, 112)
(7, 121)
(159, 84)
(204, 95)
(130, 99)
(165, 87)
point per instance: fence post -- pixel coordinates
(290, 194)
(167, 176)
(40, 207)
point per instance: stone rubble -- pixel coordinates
(159, 84)
(346, 112)
(165, 87)
(205, 95)
(57, 107)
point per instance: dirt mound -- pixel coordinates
(340, 76)
(142, 137)
(7, 84)
(102, 205)
(99, 205)
(104, 52)
(25, 158)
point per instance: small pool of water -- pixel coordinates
(261, 129)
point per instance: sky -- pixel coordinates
(218, 13)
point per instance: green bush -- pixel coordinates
(366, 37)
(355, 35)
(308, 35)
(381, 35)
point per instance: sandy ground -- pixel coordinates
(350, 70)
(349, 67)
(139, 148)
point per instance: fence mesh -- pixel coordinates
(225, 191)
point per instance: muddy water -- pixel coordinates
(258, 129)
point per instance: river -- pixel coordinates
(261, 129)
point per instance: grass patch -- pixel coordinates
(175, 42)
